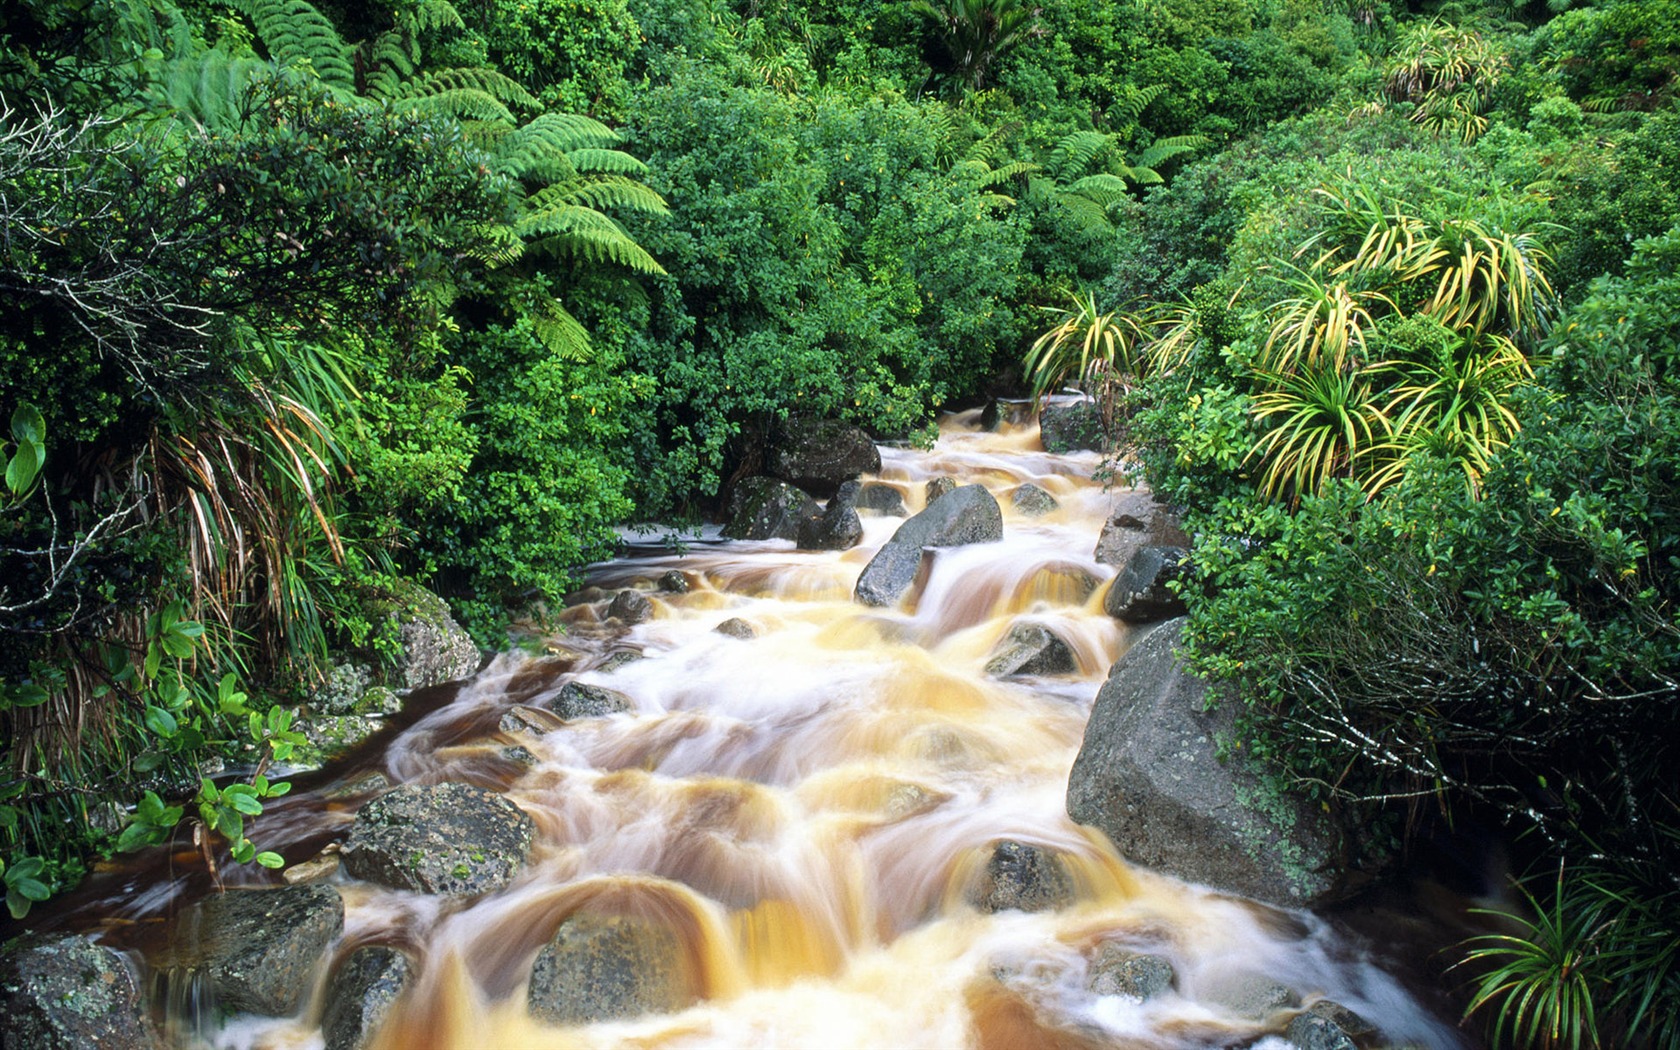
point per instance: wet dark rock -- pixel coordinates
(1150, 777)
(937, 487)
(1033, 501)
(966, 515)
(765, 509)
(837, 528)
(673, 582)
(883, 499)
(1073, 427)
(360, 996)
(735, 627)
(582, 700)
(68, 993)
(1327, 1025)
(607, 967)
(1020, 877)
(1141, 593)
(259, 948)
(1251, 996)
(1031, 649)
(818, 455)
(439, 838)
(630, 607)
(435, 649)
(1136, 520)
(517, 754)
(1118, 970)
(991, 415)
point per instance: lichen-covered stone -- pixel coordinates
(341, 693)
(582, 700)
(439, 838)
(968, 514)
(1021, 877)
(764, 509)
(609, 967)
(1032, 501)
(434, 647)
(1030, 649)
(1118, 970)
(735, 627)
(68, 993)
(360, 996)
(259, 948)
(1143, 592)
(630, 607)
(1149, 776)
(1072, 427)
(937, 487)
(1327, 1025)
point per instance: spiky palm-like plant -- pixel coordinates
(1324, 325)
(1449, 74)
(975, 34)
(1324, 423)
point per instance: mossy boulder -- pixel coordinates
(444, 838)
(818, 455)
(260, 947)
(609, 967)
(360, 996)
(69, 993)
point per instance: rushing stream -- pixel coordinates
(808, 809)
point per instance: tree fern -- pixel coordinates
(209, 87)
(1166, 149)
(476, 94)
(560, 332)
(296, 34)
(1077, 153)
(583, 233)
(602, 191)
(606, 162)
(388, 62)
(1132, 102)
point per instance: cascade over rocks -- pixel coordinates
(1140, 594)
(1148, 775)
(1021, 877)
(1118, 970)
(1327, 1025)
(630, 607)
(360, 995)
(608, 967)
(582, 700)
(1075, 427)
(1029, 648)
(447, 838)
(68, 993)
(259, 948)
(766, 509)
(966, 515)
(1135, 521)
(817, 455)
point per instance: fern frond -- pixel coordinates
(1089, 214)
(1166, 149)
(606, 162)
(1008, 172)
(391, 60)
(486, 135)
(559, 331)
(1141, 175)
(1101, 188)
(461, 103)
(430, 15)
(209, 87)
(564, 132)
(1075, 154)
(603, 191)
(569, 229)
(1133, 101)
(993, 148)
(496, 245)
(488, 82)
(298, 35)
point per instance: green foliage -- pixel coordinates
(974, 34)
(573, 54)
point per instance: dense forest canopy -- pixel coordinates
(303, 301)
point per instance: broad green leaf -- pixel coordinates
(269, 859)
(246, 804)
(161, 722)
(23, 468)
(27, 425)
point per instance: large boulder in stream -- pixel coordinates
(817, 455)
(439, 838)
(1135, 520)
(837, 528)
(1149, 775)
(1143, 591)
(435, 649)
(608, 967)
(259, 947)
(969, 514)
(361, 994)
(1031, 649)
(766, 509)
(68, 993)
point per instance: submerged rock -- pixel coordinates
(818, 455)
(630, 607)
(1032, 650)
(735, 627)
(939, 486)
(439, 838)
(360, 996)
(764, 509)
(68, 993)
(1249, 995)
(1328, 1025)
(619, 659)
(1142, 593)
(1074, 427)
(1150, 777)
(1033, 501)
(259, 948)
(609, 967)
(837, 528)
(966, 515)
(883, 499)
(582, 700)
(1118, 970)
(1022, 878)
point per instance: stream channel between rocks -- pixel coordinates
(823, 826)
